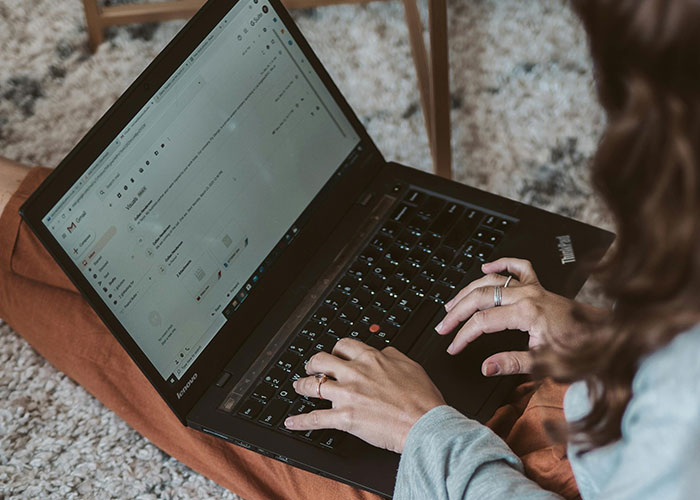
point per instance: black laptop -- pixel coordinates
(229, 217)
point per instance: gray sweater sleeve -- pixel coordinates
(449, 456)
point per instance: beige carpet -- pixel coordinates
(525, 123)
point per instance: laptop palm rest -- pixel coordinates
(459, 377)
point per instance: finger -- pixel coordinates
(478, 300)
(317, 419)
(497, 319)
(507, 363)
(322, 362)
(521, 268)
(485, 281)
(348, 349)
(308, 386)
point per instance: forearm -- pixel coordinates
(448, 456)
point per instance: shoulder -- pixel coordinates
(665, 388)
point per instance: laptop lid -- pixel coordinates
(190, 204)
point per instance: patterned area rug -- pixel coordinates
(525, 124)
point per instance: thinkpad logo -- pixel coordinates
(566, 249)
(187, 386)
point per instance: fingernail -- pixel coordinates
(289, 423)
(451, 349)
(294, 384)
(438, 328)
(491, 369)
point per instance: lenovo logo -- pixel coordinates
(187, 386)
(566, 249)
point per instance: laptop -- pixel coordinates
(230, 216)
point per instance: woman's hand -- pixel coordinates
(376, 395)
(526, 306)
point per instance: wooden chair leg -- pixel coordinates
(94, 24)
(420, 60)
(440, 88)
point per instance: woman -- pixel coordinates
(634, 411)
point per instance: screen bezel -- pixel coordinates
(222, 347)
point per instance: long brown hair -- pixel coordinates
(646, 55)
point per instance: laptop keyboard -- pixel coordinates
(421, 252)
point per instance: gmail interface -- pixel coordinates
(178, 213)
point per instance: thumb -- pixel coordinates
(507, 363)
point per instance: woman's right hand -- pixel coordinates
(526, 306)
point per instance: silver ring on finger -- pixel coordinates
(497, 296)
(508, 282)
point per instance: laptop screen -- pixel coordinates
(175, 220)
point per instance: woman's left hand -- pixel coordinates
(376, 395)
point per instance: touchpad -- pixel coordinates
(459, 377)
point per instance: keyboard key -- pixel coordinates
(312, 330)
(394, 286)
(338, 328)
(503, 225)
(431, 207)
(383, 300)
(453, 277)
(360, 268)
(398, 315)
(491, 221)
(376, 342)
(251, 408)
(421, 285)
(494, 238)
(264, 392)
(481, 234)
(471, 249)
(276, 376)
(287, 392)
(381, 241)
(387, 331)
(288, 361)
(361, 298)
(335, 299)
(415, 197)
(463, 262)
(274, 411)
(349, 312)
(406, 271)
(391, 228)
(348, 284)
(444, 255)
(302, 406)
(371, 254)
(325, 343)
(324, 314)
(433, 270)
(359, 332)
(371, 315)
(429, 242)
(463, 228)
(375, 282)
(403, 213)
(407, 239)
(483, 252)
(447, 218)
(384, 268)
(330, 439)
(442, 292)
(396, 254)
(418, 224)
(409, 300)
(418, 256)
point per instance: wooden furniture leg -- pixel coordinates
(440, 89)
(94, 24)
(433, 79)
